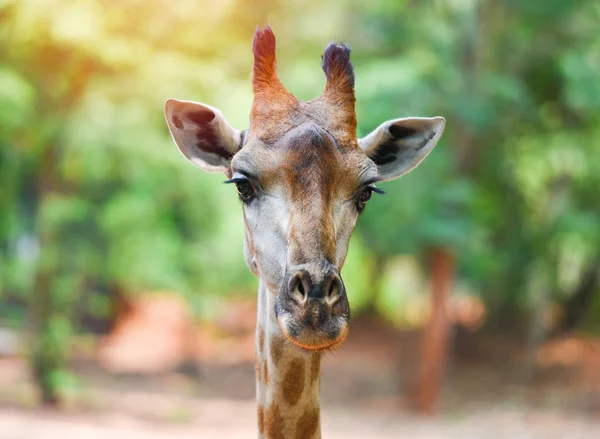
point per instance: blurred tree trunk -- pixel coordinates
(45, 356)
(60, 91)
(464, 141)
(435, 340)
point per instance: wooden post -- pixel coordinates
(435, 339)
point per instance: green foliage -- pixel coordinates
(510, 184)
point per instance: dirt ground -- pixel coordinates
(366, 388)
(235, 419)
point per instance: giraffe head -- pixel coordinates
(303, 178)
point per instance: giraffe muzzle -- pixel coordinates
(313, 312)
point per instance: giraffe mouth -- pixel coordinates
(314, 339)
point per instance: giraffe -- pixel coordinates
(303, 178)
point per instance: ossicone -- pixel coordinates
(338, 68)
(339, 89)
(264, 73)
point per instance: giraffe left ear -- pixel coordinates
(203, 135)
(398, 146)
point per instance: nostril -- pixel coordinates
(299, 286)
(333, 289)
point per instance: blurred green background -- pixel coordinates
(96, 201)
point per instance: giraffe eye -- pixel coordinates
(245, 190)
(365, 195)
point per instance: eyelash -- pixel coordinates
(245, 189)
(366, 192)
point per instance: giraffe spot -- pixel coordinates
(315, 368)
(266, 372)
(308, 424)
(276, 349)
(261, 340)
(293, 381)
(274, 423)
(261, 420)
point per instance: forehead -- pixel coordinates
(306, 155)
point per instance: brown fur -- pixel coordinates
(274, 425)
(315, 366)
(293, 382)
(276, 349)
(261, 419)
(257, 369)
(308, 424)
(261, 340)
(266, 372)
(311, 168)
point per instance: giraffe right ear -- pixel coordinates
(203, 135)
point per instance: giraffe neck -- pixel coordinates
(287, 380)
